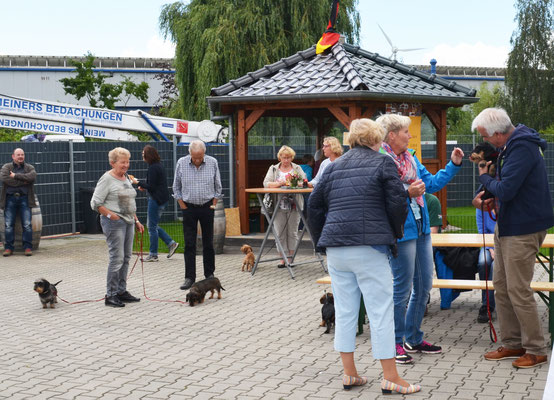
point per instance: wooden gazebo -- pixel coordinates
(342, 84)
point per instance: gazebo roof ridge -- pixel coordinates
(345, 72)
(411, 69)
(264, 71)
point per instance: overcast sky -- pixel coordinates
(468, 33)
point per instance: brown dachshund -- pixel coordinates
(249, 258)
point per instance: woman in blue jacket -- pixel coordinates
(413, 268)
(357, 211)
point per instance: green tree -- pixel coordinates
(530, 70)
(459, 119)
(220, 40)
(98, 92)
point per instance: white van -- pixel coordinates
(64, 138)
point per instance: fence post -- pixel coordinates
(72, 187)
(176, 204)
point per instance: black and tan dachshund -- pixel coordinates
(47, 292)
(327, 311)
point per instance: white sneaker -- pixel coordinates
(150, 258)
(172, 248)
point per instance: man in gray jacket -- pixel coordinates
(18, 196)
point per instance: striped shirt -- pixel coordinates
(197, 185)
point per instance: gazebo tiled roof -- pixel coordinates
(345, 72)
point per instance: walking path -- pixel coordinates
(262, 340)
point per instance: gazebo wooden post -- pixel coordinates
(244, 124)
(242, 174)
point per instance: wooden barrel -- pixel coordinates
(219, 230)
(36, 222)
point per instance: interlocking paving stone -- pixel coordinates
(262, 340)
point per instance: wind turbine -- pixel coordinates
(395, 49)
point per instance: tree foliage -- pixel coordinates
(220, 40)
(98, 92)
(459, 119)
(530, 70)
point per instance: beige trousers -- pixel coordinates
(286, 224)
(516, 307)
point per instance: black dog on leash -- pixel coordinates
(482, 153)
(47, 292)
(327, 311)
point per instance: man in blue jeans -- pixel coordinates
(18, 196)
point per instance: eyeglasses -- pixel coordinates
(326, 145)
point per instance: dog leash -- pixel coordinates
(492, 331)
(139, 256)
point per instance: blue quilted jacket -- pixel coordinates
(359, 201)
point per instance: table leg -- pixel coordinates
(271, 228)
(306, 228)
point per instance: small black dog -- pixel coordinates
(199, 289)
(327, 311)
(47, 292)
(482, 153)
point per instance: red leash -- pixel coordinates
(143, 284)
(492, 331)
(139, 256)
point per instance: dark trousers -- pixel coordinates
(191, 216)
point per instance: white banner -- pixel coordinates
(63, 128)
(97, 121)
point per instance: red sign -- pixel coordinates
(182, 127)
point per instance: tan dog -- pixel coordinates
(249, 258)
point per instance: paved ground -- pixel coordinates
(261, 341)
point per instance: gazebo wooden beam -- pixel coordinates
(342, 117)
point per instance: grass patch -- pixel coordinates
(173, 229)
(463, 218)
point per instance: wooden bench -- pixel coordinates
(466, 284)
(462, 284)
(544, 289)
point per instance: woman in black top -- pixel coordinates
(158, 198)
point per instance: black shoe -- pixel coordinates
(113, 301)
(187, 284)
(483, 316)
(127, 297)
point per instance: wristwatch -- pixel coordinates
(109, 216)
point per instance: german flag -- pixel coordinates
(330, 37)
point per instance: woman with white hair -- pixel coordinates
(413, 268)
(287, 220)
(332, 149)
(114, 198)
(356, 214)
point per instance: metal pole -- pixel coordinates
(231, 163)
(176, 204)
(231, 154)
(474, 166)
(72, 187)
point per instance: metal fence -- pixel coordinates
(67, 171)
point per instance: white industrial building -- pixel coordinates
(38, 77)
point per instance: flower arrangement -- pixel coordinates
(294, 179)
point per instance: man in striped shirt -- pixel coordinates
(197, 187)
